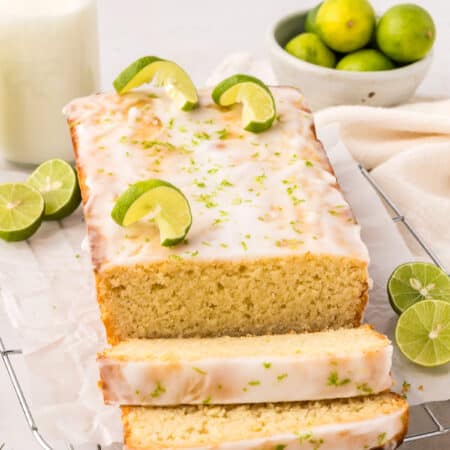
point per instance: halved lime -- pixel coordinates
(259, 110)
(412, 282)
(164, 73)
(21, 211)
(57, 182)
(164, 203)
(423, 333)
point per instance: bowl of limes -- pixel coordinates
(342, 52)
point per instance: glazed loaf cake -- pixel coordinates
(225, 370)
(374, 422)
(273, 246)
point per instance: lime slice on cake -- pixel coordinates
(258, 104)
(162, 202)
(423, 333)
(413, 282)
(21, 211)
(164, 73)
(57, 182)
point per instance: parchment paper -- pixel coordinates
(47, 291)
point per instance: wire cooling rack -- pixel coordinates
(429, 415)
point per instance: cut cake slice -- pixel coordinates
(225, 370)
(273, 246)
(374, 422)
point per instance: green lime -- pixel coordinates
(258, 104)
(365, 61)
(345, 25)
(165, 73)
(423, 333)
(310, 48)
(57, 182)
(166, 204)
(413, 282)
(310, 21)
(405, 33)
(21, 211)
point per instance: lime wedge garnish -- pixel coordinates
(21, 211)
(164, 203)
(57, 182)
(165, 74)
(413, 282)
(258, 104)
(423, 333)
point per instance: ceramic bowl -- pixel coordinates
(327, 87)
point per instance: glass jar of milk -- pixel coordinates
(48, 56)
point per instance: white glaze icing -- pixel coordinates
(227, 380)
(380, 432)
(252, 195)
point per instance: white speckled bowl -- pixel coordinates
(327, 87)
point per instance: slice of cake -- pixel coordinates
(273, 246)
(311, 366)
(374, 422)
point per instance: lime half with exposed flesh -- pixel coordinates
(423, 333)
(258, 104)
(165, 74)
(57, 182)
(21, 211)
(417, 281)
(166, 204)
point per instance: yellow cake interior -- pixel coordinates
(192, 426)
(321, 344)
(273, 295)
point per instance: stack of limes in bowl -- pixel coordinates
(346, 35)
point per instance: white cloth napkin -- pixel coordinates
(408, 148)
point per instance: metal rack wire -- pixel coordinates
(398, 217)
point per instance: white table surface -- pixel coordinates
(197, 34)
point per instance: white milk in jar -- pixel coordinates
(48, 56)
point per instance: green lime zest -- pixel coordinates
(334, 380)
(258, 104)
(158, 391)
(165, 74)
(166, 204)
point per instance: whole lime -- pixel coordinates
(310, 48)
(345, 25)
(406, 33)
(310, 21)
(366, 60)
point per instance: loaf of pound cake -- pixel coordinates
(224, 370)
(273, 246)
(369, 423)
